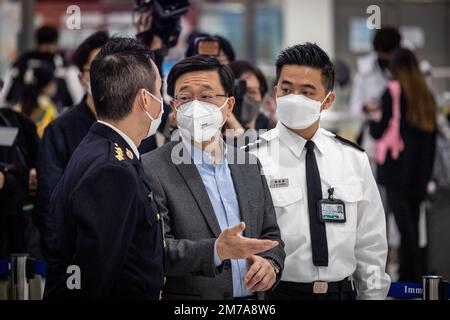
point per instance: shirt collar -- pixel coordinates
(297, 143)
(124, 136)
(202, 157)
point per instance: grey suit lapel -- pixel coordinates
(240, 181)
(195, 184)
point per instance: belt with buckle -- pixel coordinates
(253, 297)
(320, 287)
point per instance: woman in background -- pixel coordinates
(251, 116)
(247, 118)
(406, 177)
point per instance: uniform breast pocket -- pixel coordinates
(285, 197)
(351, 194)
(288, 203)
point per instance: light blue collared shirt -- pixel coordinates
(219, 185)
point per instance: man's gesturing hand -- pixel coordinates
(231, 245)
(260, 275)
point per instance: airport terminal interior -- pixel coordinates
(373, 45)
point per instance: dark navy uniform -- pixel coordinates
(106, 223)
(61, 137)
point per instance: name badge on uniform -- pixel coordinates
(279, 183)
(331, 209)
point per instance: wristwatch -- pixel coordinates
(275, 266)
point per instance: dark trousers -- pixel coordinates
(406, 210)
(282, 292)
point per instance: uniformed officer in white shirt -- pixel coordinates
(327, 202)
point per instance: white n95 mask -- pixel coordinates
(155, 122)
(297, 111)
(200, 120)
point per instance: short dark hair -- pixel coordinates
(311, 55)
(42, 76)
(46, 35)
(227, 48)
(201, 63)
(240, 67)
(81, 55)
(386, 39)
(121, 68)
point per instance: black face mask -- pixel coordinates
(250, 110)
(383, 63)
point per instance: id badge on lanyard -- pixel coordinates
(331, 209)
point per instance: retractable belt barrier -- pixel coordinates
(21, 278)
(27, 268)
(39, 267)
(5, 270)
(414, 290)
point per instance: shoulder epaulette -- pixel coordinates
(255, 144)
(263, 139)
(349, 143)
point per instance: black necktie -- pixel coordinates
(316, 227)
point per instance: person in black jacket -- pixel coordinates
(64, 134)
(106, 220)
(16, 163)
(406, 178)
(46, 53)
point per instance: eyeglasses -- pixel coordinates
(209, 97)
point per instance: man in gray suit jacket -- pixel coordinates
(222, 238)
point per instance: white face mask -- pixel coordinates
(297, 111)
(155, 122)
(200, 120)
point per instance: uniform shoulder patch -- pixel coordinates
(255, 144)
(263, 139)
(349, 143)
(271, 134)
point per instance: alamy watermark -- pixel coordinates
(374, 20)
(73, 17)
(74, 279)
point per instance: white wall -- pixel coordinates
(309, 20)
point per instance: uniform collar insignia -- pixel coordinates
(119, 152)
(129, 154)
